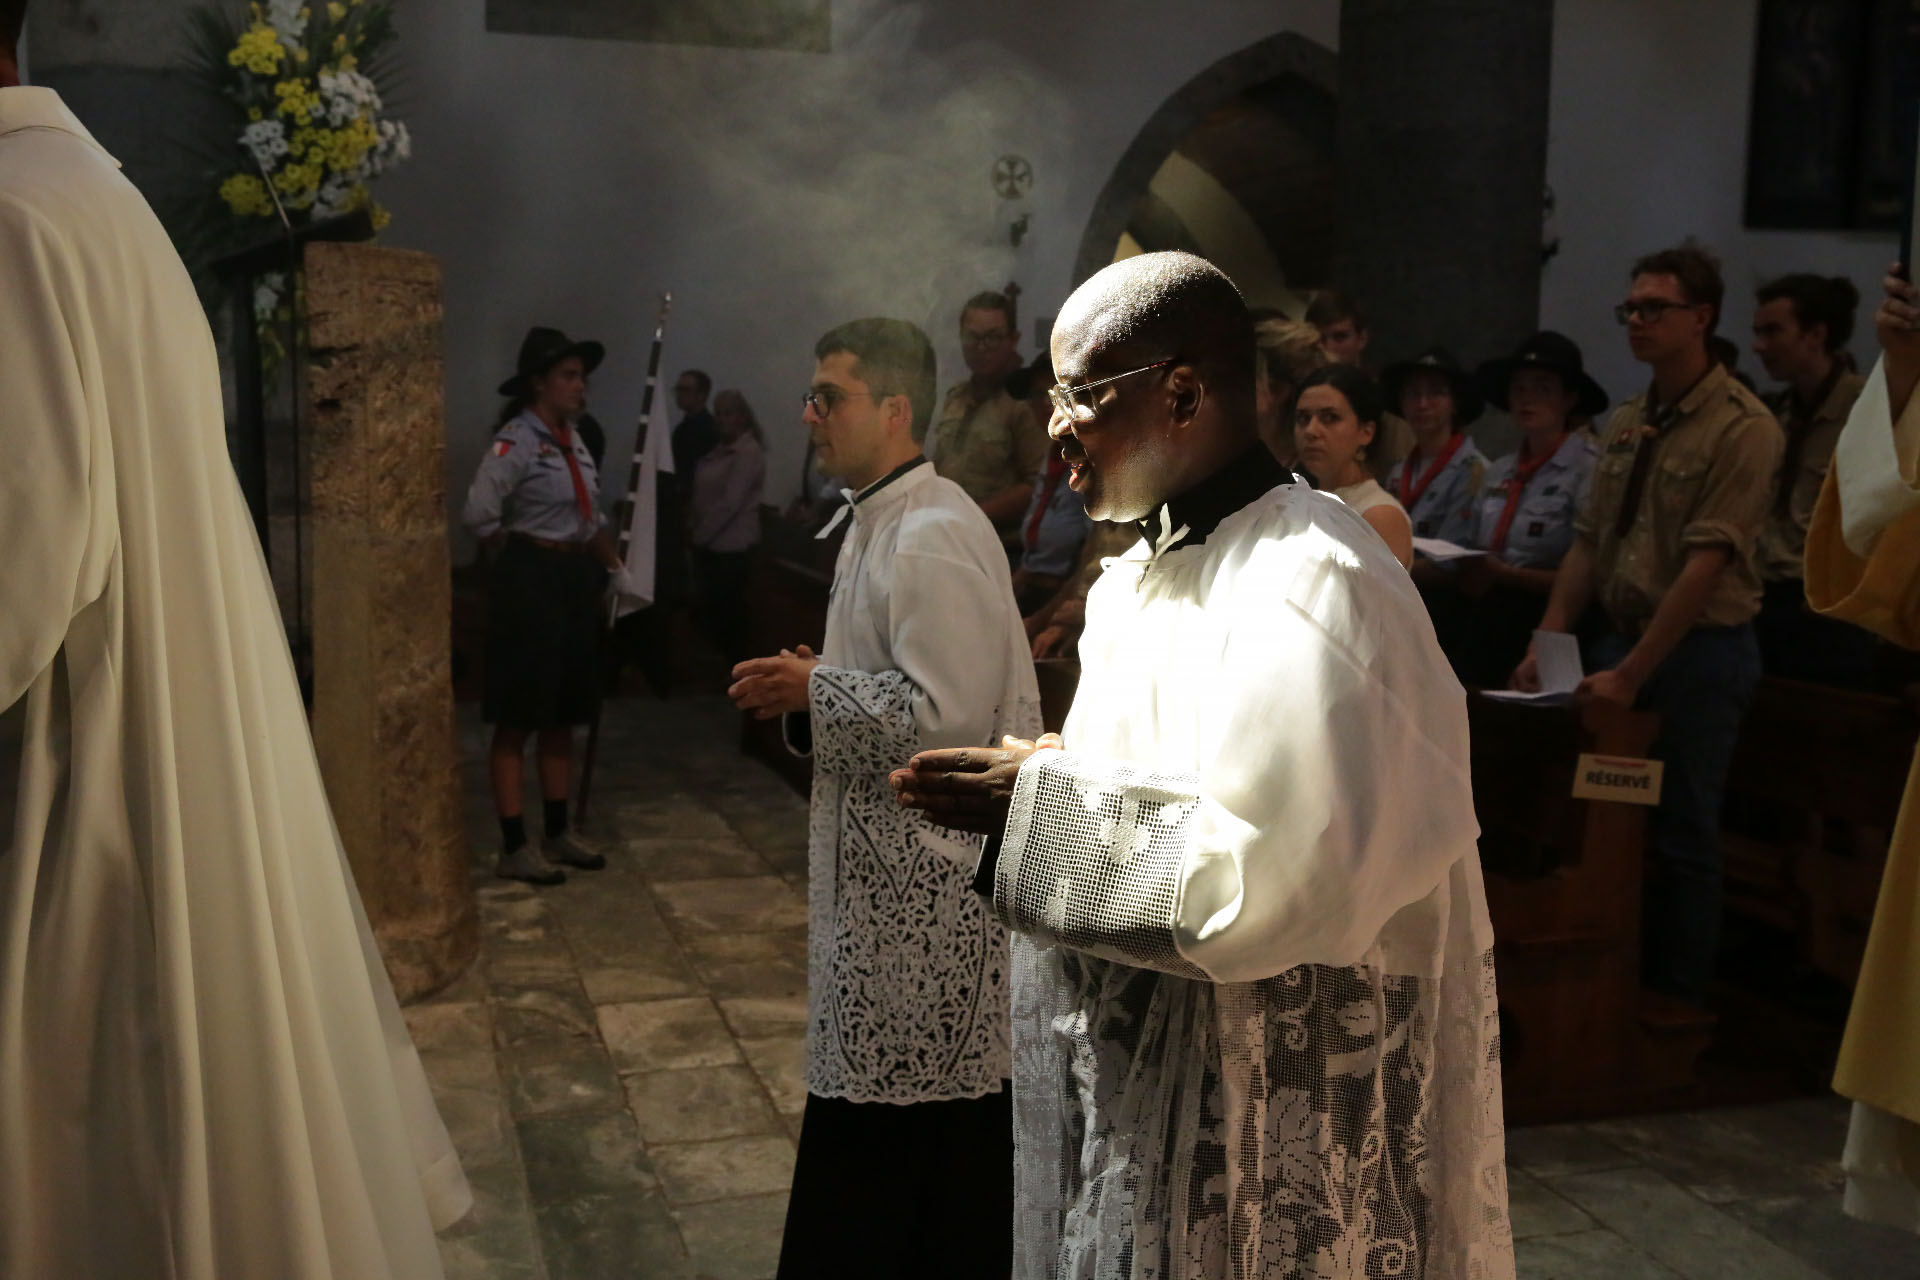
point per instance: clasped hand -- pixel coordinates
(967, 788)
(769, 687)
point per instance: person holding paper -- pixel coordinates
(1254, 1014)
(1863, 566)
(1524, 517)
(1665, 546)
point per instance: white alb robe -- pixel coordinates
(1254, 1016)
(906, 970)
(204, 1074)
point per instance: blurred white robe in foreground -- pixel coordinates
(1254, 1017)
(204, 1074)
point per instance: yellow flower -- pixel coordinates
(336, 11)
(258, 50)
(253, 113)
(348, 62)
(298, 100)
(300, 54)
(381, 217)
(339, 44)
(246, 194)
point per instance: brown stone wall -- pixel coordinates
(382, 597)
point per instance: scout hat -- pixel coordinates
(1466, 394)
(1554, 352)
(542, 349)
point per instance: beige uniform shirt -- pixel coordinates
(1707, 485)
(985, 446)
(1781, 550)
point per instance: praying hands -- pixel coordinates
(769, 687)
(967, 788)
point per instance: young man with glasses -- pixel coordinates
(905, 1165)
(984, 440)
(1665, 547)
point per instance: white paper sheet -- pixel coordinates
(1557, 655)
(1439, 550)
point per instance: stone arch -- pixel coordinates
(1289, 75)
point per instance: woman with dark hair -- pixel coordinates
(724, 521)
(533, 504)
(1336, 420)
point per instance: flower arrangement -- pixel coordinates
(311, 127)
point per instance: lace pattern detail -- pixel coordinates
(1092, 859)
(1324, 1124)
(907, 973)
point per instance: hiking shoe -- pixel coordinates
(570, 850)
(525, 863)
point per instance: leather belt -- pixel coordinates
(565, 548)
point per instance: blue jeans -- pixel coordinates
(1701, 693)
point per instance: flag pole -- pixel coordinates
(624, 523)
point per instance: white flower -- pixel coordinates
(267, 140)
(347, 94)
(266, 296)
(284, 17)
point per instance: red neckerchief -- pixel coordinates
(1523, 472)
(563, 436)
(1056, 472)
(1410, 491)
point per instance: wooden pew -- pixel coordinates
(1811, 798)
(1579, 1035)
(787, 588)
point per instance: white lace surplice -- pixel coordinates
(1255, 1027)
(906, 970)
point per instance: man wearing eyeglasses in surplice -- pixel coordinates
(983, 439)
(1665, 548)
(905, 1165)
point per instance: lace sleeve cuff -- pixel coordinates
(1094, 858)
(862, 722)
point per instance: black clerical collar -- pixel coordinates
(1202, 508)
(889, 478)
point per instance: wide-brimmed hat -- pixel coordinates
(1466, 392)
(544, 348)
(1556, 353)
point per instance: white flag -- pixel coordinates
(634, 588)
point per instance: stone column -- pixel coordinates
(382, 601)
(1443, 155)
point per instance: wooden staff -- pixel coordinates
(625, 524)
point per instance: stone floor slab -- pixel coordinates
(765, 1017)
(600, 1237)
(548, 1079)
(781, 1064)
(695, 1172)
(498, 1239)
(1678, 1229)
(1738, 1153)
(751, 964)
(707, 1102)
(568, 1156)
(1554, 1149)
(752, 904)
(542, 1015)
(1536, 1210)
(665, 1035)
(1816, 1229)
(662, 860)
(1588, 1255)
(450, 1026)
(735, 1239)
(666, 817)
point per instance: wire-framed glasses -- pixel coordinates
(1074, 401)
(826, 399)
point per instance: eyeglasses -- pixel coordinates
(824, 401)
(992, 338)
(1650, 310)
(1068, 400)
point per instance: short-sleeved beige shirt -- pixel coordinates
(986, 446)
(1780, 553)
(1708, 484)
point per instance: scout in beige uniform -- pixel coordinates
(983, 439)
(1800, 331)
(1665, 546)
